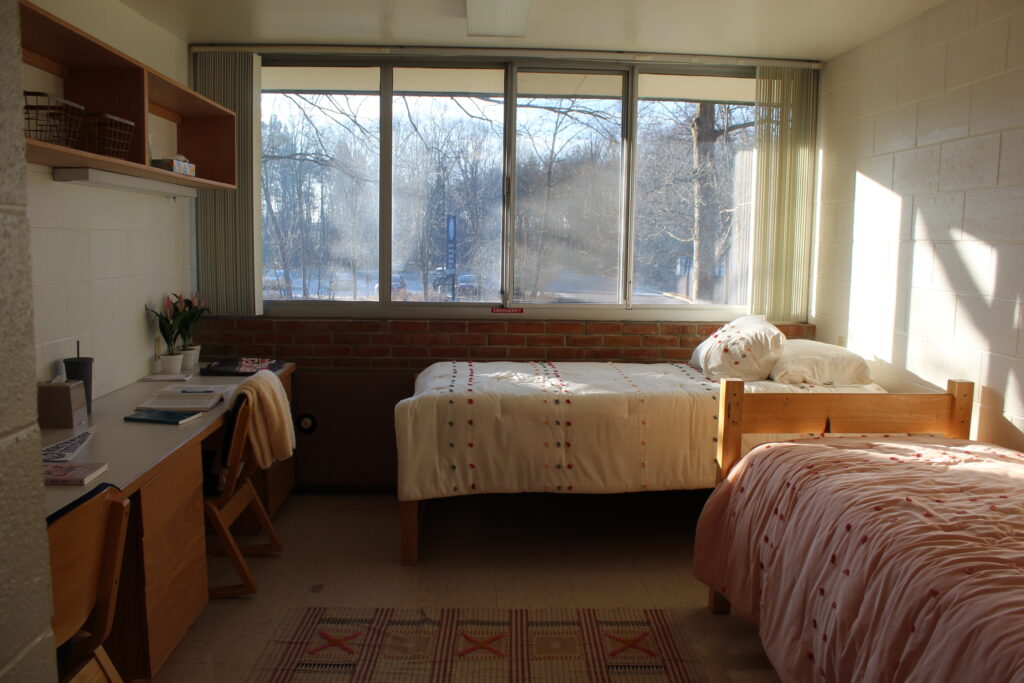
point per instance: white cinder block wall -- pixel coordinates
(920, 241)
(26, 642)
(100, 255)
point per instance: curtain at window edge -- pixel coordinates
(785, 128)
(229, 259)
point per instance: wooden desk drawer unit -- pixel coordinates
(164, 583)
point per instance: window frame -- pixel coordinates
(386, 308)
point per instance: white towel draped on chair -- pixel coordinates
(271, 433)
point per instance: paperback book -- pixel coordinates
(72, 473)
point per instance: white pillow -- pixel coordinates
(697, 360)
(746, 349)
(813, 362)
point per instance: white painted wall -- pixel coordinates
(126, 30)
(920, 240)
(99, 256)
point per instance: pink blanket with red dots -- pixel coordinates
(868, 559)
(502, 427)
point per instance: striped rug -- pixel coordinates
(478, 645)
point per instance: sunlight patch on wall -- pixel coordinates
(876, 227)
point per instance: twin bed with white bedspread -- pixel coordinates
(505, 427)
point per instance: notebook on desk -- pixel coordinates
(164, 417)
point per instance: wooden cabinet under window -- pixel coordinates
(105, 80)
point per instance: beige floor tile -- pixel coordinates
(482, 551)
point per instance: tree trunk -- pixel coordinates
(706, 212)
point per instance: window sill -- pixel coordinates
(477, 311)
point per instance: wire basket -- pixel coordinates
(106, 134)
(52, 119)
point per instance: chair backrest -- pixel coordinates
(237, 466)
(86, 548)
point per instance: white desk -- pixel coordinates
(159, 467)
(133, 451)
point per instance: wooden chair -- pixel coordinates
(237, 495)
(86, 548)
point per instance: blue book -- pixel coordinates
(164, 417)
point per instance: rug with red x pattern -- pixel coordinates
(351, 645)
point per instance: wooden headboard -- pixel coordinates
(741, 413)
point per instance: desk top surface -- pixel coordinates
(132, 449)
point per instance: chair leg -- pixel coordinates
(107, 666)
(97, 668)
(275, 545)
(248, 584)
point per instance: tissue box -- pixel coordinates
(62, 405)
(175, 166)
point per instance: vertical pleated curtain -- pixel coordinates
(786, 100)
(228, 236)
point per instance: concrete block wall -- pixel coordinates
(921, 218)
(26, 643)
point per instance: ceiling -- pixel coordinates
(783, 29)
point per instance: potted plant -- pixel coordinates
(169, 321)
(189, 310)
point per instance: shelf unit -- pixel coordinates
(106, 80)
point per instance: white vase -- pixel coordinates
(171, 364)
(190, 357)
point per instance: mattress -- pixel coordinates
(865, 559)
(503, 427)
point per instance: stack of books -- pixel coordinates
(180, 404)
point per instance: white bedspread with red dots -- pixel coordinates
(866, 559)
(502, 427)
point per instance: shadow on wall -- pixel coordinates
(953, 299)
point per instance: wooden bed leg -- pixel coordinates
(717, 603)
(410, 513)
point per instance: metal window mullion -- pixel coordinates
(508, 233)
(629, 128)
(384, 200)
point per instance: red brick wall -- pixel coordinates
(415, 344)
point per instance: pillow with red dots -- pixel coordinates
(746, 349)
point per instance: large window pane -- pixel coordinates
(446, 184)
(693, 191)
(320, 182)
(568, 228)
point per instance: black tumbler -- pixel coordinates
(81, 368)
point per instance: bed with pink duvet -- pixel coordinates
(874, 559)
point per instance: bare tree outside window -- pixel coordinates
(568, 227)
(320, 187)
(692, 189)
(446, 184)
(693, 201)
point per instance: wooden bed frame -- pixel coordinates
(740, 413)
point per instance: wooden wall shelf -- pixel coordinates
(105, 80)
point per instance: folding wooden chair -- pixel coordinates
(236, 495)
(86, 548)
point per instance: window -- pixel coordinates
(446, 181)
(568, 202)
(506, 185)
(320, 188)
(694, 192)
